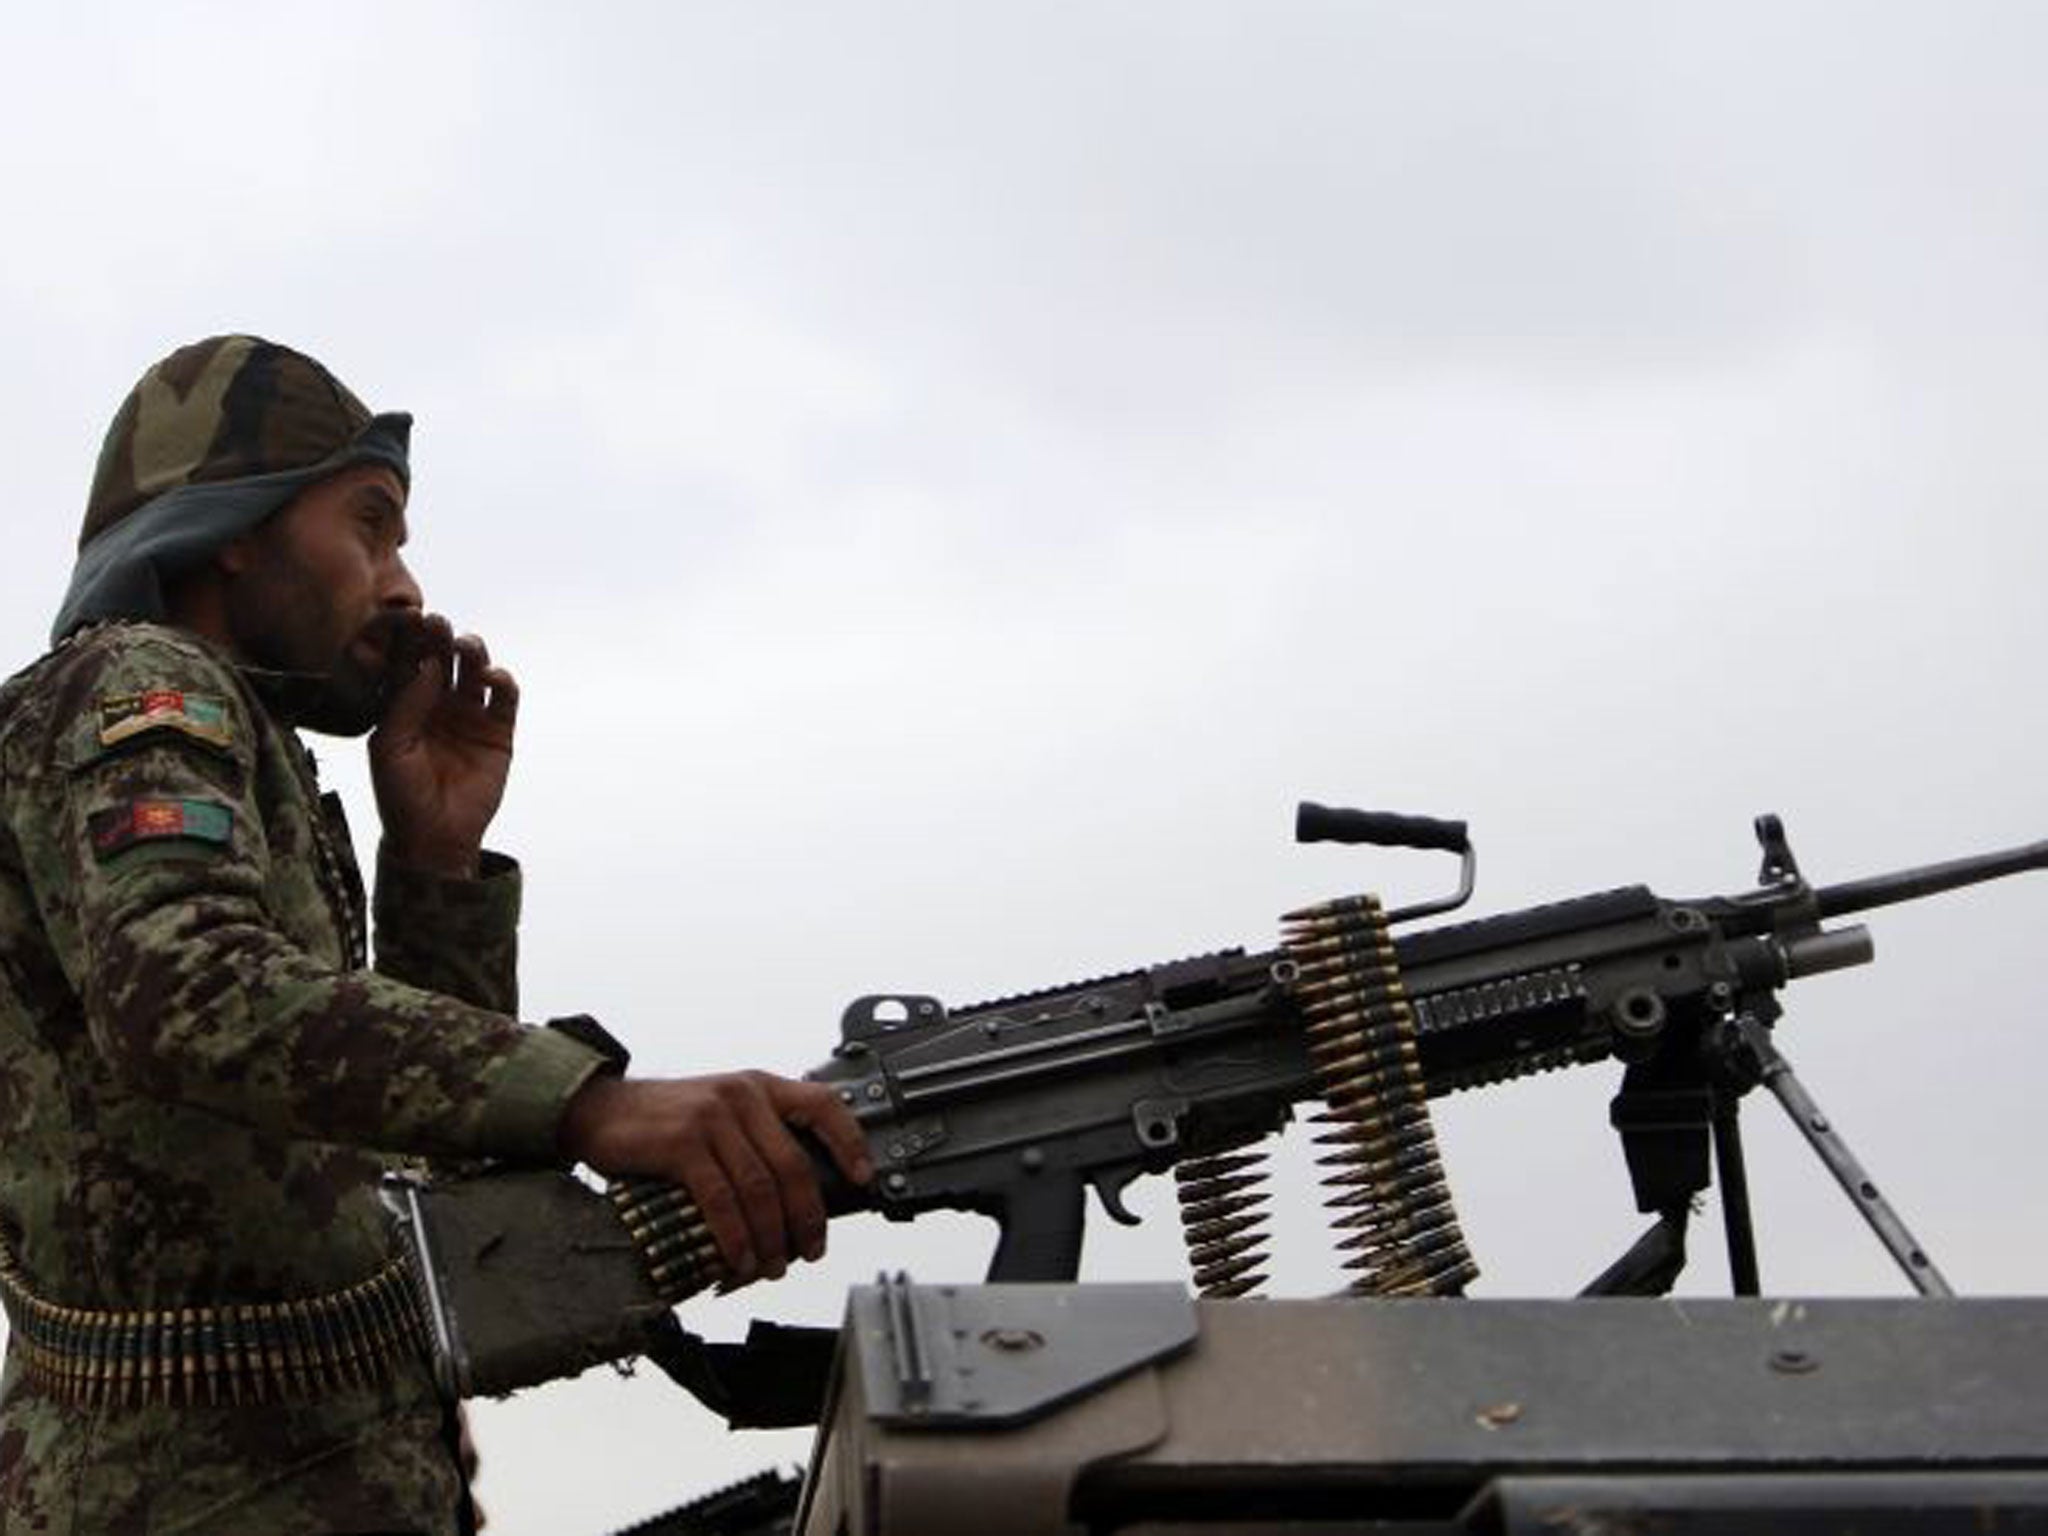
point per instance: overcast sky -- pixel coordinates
(952, 476)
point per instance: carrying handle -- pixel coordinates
(1384, 829)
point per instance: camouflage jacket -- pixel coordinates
(200, 1082)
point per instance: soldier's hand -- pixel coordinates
(729, 1140)
(441, 755)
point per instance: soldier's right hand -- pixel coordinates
(729, 1140)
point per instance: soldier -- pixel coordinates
(201, 1079)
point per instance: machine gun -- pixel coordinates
(1014, 1108)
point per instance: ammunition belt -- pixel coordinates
(667, 1229)
(1383, 1178)
(262, 1353)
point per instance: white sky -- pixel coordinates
(952, 476)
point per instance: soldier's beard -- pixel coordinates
(305, 666)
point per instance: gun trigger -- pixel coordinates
(1110, 1185)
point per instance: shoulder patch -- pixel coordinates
(202, 716)
(139, 821)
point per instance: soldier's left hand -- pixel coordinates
(439, 760)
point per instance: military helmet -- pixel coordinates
(209, 443)
(225, 408)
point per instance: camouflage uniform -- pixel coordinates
(200, 1082)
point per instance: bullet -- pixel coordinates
(267, 1351)
(150, 1345)
(1360, 1160)
(1444, 1241)
(1418, 1187)
(1360, 1017)
(362, 1342)
(1348, 1057)
(1337, 905)
(1367, 1090)
(670, 1218)
(383, 1341)
(298, 1349)
(1360, 1063)
(1218, 1163)
(114, 1326)
(179, 1356)
(1360, 1021)
(1364, 952)
(1420, 1224)
(389, 1306)
(106, 1353)
(1395, 1117)
(1204, 1186)
(251, 1365)
(1314, 994)
(1367, 1219)
(1233, 1269)
(209, 1353)
(1197, 1213)
(68, 1338)
(1221, 1262)
(1235, 1288)
(1382, 1183)
(324, 1349)
(1211, 1231)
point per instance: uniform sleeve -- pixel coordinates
(153, 862)
(456, 937)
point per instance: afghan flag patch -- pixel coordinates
(141, 821)
(202, 716)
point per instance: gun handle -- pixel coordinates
(842, 1197)
(1042, 1219)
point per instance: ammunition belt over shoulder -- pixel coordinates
(261, 1353)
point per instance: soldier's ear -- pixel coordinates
(235, 557)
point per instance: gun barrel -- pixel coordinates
(1929, 880)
